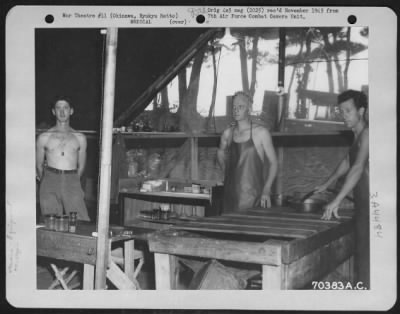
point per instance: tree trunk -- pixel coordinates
(188, 115)
(214, 92)
(155, 102)
(339, 73)
(346, 69)
(254, 66)
(164, 99)
(293, 72)
(338, 68)
(301, 111)
(329, 71)
(243, 64)
(182, 84)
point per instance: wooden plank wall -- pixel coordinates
(301, 170)
(305, 167)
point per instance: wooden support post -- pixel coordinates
(351, 270)
(166, 271)
(344, 272)
(129, 259)
(106, 156)
(271, 277)
(194, 152)
(88, 277)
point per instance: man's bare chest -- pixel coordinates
(64, 142)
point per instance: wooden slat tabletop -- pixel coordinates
(275, 222)
(292, 213)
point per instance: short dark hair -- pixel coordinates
(359, 98)
(244, 94)
(61, 97)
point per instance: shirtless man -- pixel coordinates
(251, 165)
(60, 161)
(355, 168)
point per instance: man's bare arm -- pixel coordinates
(222, 147)
(81, 153)
(266, 141)
(352, 178)
(40, 154)
(357, 169)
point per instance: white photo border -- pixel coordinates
(21, 291)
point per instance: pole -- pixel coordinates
(281, 105)
(105, 162)
(281, 76)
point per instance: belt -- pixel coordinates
(51, 169)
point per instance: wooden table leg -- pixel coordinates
(166, 271)
(121, 205)
(272, 277)
(347, 269)
(129, 259)
(88, 277)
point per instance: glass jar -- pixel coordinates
(164, 211)
(57, 223)
(50, 221)
(72, 221)
(62, 223)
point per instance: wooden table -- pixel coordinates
(81, 247)
(292, 248)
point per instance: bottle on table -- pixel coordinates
(72, 221)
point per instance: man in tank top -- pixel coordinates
(248, 159)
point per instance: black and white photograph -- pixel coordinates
(245, 150)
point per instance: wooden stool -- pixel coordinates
(63, 281)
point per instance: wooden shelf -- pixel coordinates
(182, 135)
(196, 196)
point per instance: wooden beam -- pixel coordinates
(166, 271)
(320, 262)
(119, 279)
(129, 259)
(88, 277)
(106, 156)
(181, 243)
(140, 103)
(247, 230)
(298, 248)
(272, 277)
(265, 222)
(194, 157)
(70, 247)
